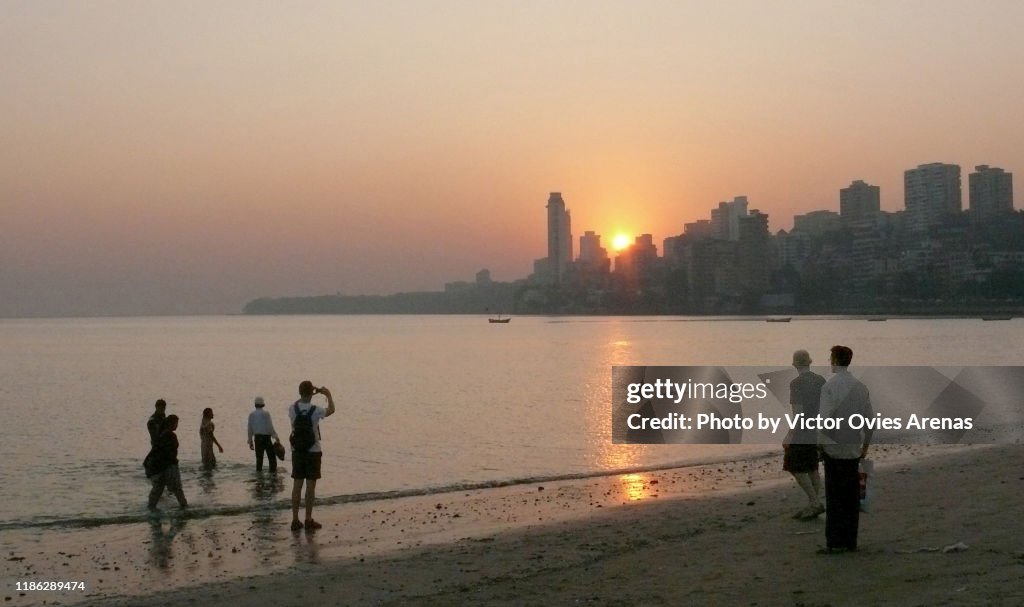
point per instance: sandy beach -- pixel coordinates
(945, 530)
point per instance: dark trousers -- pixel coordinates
(263, 443)
(842, 502)
(170, 478)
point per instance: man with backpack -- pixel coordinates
(306, 450)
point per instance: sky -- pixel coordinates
(187, 157)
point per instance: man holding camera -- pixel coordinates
(306, 450)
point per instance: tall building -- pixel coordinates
(559, 236)
(639, 258)
(698, 229)
(591, 251)
(725, 220)
(816, 222)
(551, 269)
(931, 192)
(752, 253)
(859, 201)
(991, 192)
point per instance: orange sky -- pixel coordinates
(185, 158)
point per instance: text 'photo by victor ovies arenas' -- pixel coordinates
(543, 303)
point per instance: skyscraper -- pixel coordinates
(991, 192)
(559, 236)
(859, 201)
(591, 251)
(725, 220)
(931, 192)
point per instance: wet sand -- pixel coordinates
(712, 534)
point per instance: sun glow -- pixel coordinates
(620, 241)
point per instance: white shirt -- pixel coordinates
(260, 423)
(845, 394)
(318, 415)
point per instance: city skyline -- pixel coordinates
(990, 192)
(166, 159)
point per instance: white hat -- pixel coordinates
(259, 401)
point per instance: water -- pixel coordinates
(424, 402)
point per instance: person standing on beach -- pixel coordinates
(156, 421)
(207, 440)
(165, 465)
(842, 396)
(305, 417)
(262, 435)
(800, 456)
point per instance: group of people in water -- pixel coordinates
(810, 394)
(207, 439)
(161, 464)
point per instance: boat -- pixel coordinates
(996, 317)
(499, 320)
(782, 319)
(878, 319)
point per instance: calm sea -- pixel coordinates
(425, 403)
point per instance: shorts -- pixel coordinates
(306, 464)
(800, 458)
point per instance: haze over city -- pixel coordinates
(186, 158)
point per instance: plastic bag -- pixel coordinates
(867, 493)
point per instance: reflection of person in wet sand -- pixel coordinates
(800, 446)
(160, 547)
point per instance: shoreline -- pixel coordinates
(384, 496)
(193, 559)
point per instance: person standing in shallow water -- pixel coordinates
(306, 461)
(156, 421)
(262, 435)
(165, 465)
(207, 440)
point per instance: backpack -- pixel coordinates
(302, 437)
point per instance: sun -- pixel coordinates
(620, 241)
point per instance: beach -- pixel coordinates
(944, 529)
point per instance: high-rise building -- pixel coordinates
(591, 251)
(559, 236)
(991, 192)
(638, 258)
(752, 252)
(725, 220)
(931, 192)
(859, 201)
(816, 223)
(698, 229)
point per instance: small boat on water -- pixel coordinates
(499, 320)
(878, 319)
(996, 317)
(779, 319)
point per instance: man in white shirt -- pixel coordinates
(306, 461)
(842, 396)
(262, 435)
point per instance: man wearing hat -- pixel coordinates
(801, 446)
(261, 430)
